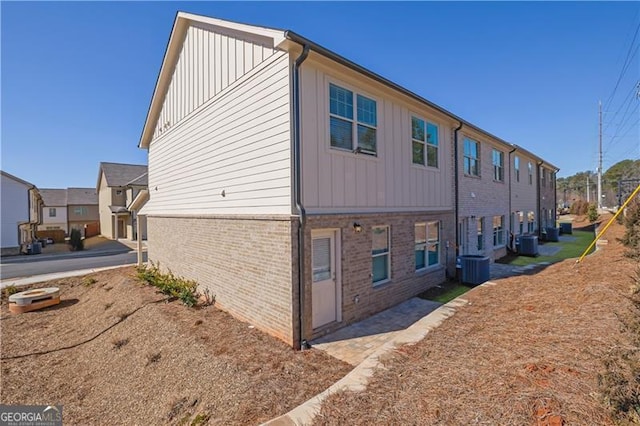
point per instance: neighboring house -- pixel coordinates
(547, 195)
(54, 210)
(82, 211)
(302, 190)
(21, 206)
(118, 186)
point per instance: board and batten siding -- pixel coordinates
(237, 144)
(210, 61)
(336, 181)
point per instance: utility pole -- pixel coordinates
(587, 187)
(599, 204)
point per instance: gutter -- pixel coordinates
(297, 184)
(510, 217)
(456, 180)
(539, 164)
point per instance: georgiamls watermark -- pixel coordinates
(30, 415)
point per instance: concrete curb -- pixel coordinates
(20, 282)
(76, 255)
(358, 378)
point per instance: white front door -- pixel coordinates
(324, 286)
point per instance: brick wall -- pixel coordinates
(246, 263)
(356, 263)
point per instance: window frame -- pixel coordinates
(425, 243)
(498, 232)
(54, 211)
(465, 157)
(425, 143)
(516, 167)
(531, 221)
(355, 122)
(480, 233)
(498, 169)
(530, 169)
(83, 211)
(387, 253)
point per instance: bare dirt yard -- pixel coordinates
(115, 352)
(561, 347)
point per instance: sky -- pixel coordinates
(77, 77)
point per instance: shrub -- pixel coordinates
(631, 238)
(592, 213)
(579, 207)
(9, 290)
(169, 284)
(76, 240)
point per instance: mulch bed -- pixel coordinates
(558, 347)
(156, 363)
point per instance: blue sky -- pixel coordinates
(77, 78)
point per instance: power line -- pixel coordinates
(635, 90)
(625, 66)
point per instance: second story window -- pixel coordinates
(516, 166)
(349, 121)
(52, 212)
(498, 165)
(119, 192)
(80, 211)
(530, 169)
(424, 142)
(543, 177)
(471, 157)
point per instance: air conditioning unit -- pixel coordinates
(529, 245)
(475, 269)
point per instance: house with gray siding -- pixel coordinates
(303, 191)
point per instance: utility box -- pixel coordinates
(553, 234)
(475, 269)
(566, 227)
(528, 245)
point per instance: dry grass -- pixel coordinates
(558, 347)
(157, 363)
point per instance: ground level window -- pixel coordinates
(531, 222)
(480, 233)
(498, 231)
(380, 254)
(427, 244)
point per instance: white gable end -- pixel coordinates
(212, 58)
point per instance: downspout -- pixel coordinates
(456, 180)
(510, 219)
(297, 183)
(538, 197)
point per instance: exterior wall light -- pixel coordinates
(357, 228)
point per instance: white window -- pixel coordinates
(52, 212)
(531, 222)
(530, 168)
(471, 157)
(480, 233)
(521, 222)
(516, 166)
(380, 254)
(424, 142)
(498, 165)
(498, 231)
(427, 244)
(543, 177)
(347, 125)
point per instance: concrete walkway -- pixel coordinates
(356, 342)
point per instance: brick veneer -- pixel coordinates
(357, 263)
(245, 262)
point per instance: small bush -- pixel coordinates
(631, 238)
(579, 207)
(592, 213)
(10, 289)
(76, 240)
(118, 343)
(169, 284)
(89, 281)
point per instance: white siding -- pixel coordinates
(238, 143)
(338, 181)
(14, 199)
(209, 62)
(60, 219)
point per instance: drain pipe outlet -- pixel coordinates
(297, 166)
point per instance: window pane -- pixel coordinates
(420, 258)
(432, 134)
(367, 111)
(380, 240)
(421, 233)
(380, 268)
(474, 168)
(432, 156)
(341, 134)
(340, 101)
(321, 259)
(417, 129)
(433, 255)
(418, 153)
(366, 138)
(433, 231)
(467, 165)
